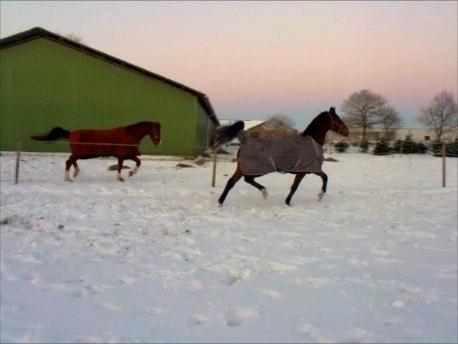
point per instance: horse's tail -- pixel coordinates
(54, 134)
(228, 132)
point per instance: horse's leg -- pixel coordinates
(230, 184)
(297, 181)
(250, 180)
(118, 174)
(324, 177)
(76, 167)
(135, 169)
(68, 164)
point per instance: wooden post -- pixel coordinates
(214, 165)
(18, 159)
(443, 164)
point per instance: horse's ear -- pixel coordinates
(332, 110)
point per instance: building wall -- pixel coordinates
(205, 130)
(418, 134)
(45, 84)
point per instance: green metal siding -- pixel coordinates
(205, 129)
(45, 84)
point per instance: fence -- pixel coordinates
(213, 179)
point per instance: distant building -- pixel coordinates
(248, 123)
(418, 134)
(272, 128)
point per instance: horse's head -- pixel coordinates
(155, 133)
(337, 125)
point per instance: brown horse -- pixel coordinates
(120, 142)
(313, 136)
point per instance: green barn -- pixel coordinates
(47, 80)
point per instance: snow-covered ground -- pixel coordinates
(155, 260)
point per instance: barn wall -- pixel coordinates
(45, 84)
(205, 129)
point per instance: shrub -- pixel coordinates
(364, 145)
(382, 148)
(451, 149)
(409, 146)
(420, 148)
(341, 146)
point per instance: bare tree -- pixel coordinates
(363, 109)
(282, 119)
(389, 121)
(440, 115)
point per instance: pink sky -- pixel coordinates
(254, 59)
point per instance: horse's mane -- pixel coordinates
(141, 124)
(315, 124)
(141, 128)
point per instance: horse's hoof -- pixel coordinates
(68, 180)
(320, 196)
(264, 193)
(75, 173)
(220, 205)
(131, 173)
(121, 179)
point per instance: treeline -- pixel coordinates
(406, 146)
(365, 110)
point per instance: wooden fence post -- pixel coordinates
(18, 159)
(443, 164)
(214, 165)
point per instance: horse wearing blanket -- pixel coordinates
(298, 154)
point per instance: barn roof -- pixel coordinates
(40, 32)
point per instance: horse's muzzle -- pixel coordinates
(156, 142)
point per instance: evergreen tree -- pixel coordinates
(341, 146)
(382, 147)
(364, 146)
(452, 149)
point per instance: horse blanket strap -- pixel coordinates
(296, 153)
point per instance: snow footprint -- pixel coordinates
(234, 275)
(199, 319)
(272, 293)
(111, 307)
(235, 316)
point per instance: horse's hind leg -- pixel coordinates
(297, 180)
(230, 184)
(324, 177)
(76, 167)
(250, 180)
(118, 174)
(137, 166)
(70, 161)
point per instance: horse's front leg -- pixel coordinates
(137, 166)
(324, 177)
(297, 180)
(118, 174)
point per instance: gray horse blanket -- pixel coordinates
(296, 153)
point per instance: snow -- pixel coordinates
(154, 259)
